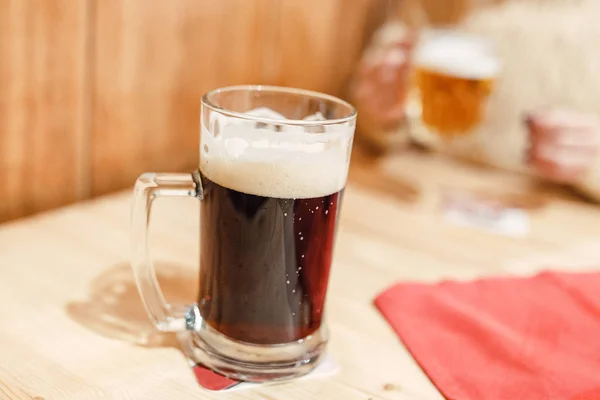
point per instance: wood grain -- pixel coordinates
(320, 42)
(151, 61)
(97, 92)
(423, 13)
(75, 327)
(154, 61)
(43, 75)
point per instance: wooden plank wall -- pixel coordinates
(94, 92)
(155, 59)
(43, 91)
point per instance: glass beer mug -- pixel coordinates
(273, 166)
(454, 75)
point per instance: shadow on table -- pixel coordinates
(114, 309)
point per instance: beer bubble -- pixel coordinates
(302, 255)
(326, 212)
(288, 282)
(317, 207)
(300, 219)
(285, 214)
(301, 238)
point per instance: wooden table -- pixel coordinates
(72, 326)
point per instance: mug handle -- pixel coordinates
(148, 187)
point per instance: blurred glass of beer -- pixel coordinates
(454, 75)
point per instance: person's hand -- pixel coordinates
(564, 145)
(382, 82)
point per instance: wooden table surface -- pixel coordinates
(72, 326)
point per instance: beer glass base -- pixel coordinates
(250, 362)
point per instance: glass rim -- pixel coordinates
(206, 102)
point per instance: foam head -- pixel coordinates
(287, 161)
(459, 55)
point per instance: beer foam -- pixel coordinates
(291, 163)
(458, 55)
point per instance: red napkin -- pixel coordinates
(536, 338)
(211, 380)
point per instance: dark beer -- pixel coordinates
(264, 263)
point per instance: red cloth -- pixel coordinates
(536, 338)
(211, 380)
